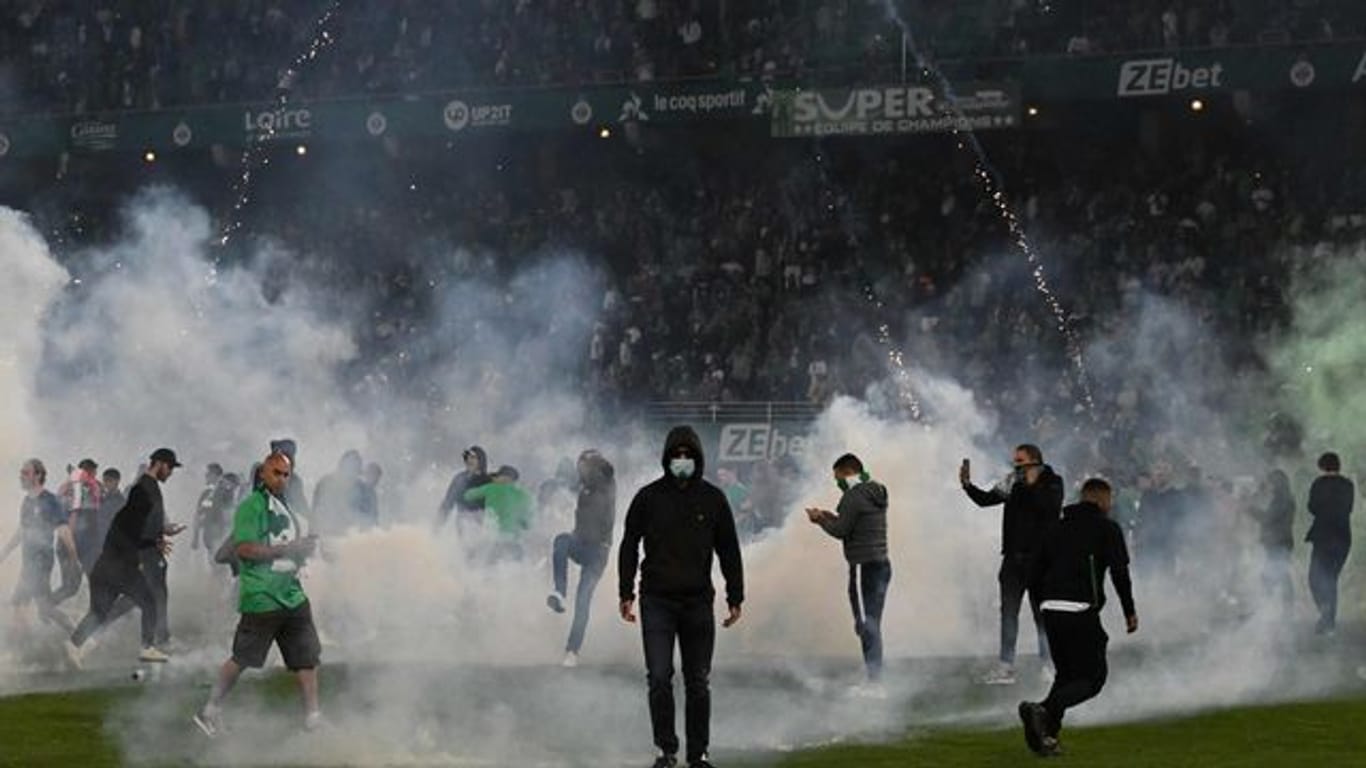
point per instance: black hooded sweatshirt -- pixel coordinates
(464, 481)
(596, 511)
(682, 523)
(1030, 510)
(1072, 561)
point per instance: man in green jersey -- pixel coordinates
(272, 542)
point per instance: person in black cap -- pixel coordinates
(682, 520)
(119, 569)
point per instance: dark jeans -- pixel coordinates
(109, 580)
(868, 584)
(1325, 565)
(71, 577)
(1078, 644)
(592, 559)
(689, 621)
(1013, 577)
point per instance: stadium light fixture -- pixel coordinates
(1197, 105)
(149, 156)
(301, 150)
(1033, 111)
(605, 133)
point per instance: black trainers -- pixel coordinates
(701, 762)
(1049, 747)
(1035, 720)
(555, 602)
(665, 761)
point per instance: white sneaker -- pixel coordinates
(1001, 674)
(571, 660)
(208, 722)
(1046, 673)
(153, 655)
(314, 721)
(869, 690)
(74, 655)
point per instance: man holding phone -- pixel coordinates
(272, 542)
(1032, 494)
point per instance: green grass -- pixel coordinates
(69, 729)
(1330, 733)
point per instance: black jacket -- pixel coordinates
(596, 511)
(1330, 502)
(136, 526)
(681, 524)
(1030, 510)
(1071, 562)
(464, 481)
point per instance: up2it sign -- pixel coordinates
(1160, 77)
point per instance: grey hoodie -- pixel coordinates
(861, 523)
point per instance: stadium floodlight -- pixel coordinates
(605, 133)
(1197, 105)
(149, 156)
(1032, 111)
(301, 150)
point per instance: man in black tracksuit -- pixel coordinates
(1330, 504)
(134, 541)
(588, 545)
(860, 521)
(1068, 575)
(1032, 495)
(683, 520)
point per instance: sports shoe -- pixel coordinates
(208, 722)
(313, 721)
(555, 602)
(1046, 674)
(1035, 720)
(665, 761)
(1002, 674)
(701, 762)
(1049, 747)
(153, 655)
(74, 654)
(869, 690)
(571, 660)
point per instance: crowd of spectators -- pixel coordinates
(62, 55)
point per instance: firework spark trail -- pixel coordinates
(322, 39)
(896, 358)
(991, 182)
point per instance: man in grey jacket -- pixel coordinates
(860, 521)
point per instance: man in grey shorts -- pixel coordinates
(272, 542)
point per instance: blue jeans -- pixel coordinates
(868, 584)
(689, 621)
(592, 559)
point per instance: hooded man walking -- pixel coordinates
(683, 520)
(860, 521)
(588, 545)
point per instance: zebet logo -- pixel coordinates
(1157, 77)
(758, 442)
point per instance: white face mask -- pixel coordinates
(682, 468)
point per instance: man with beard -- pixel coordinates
(272, 542)
(134, 539)
(1032, 494)
(40, 519)
(588, 544)
(682, 520)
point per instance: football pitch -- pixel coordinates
(512, 718)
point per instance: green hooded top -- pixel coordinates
(507, 504)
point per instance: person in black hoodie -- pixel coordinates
(860, 521)
(588, 545)
(682, 520)
(469, 515)
(1330, 503)
(1032, 495)
(1068, 574)
(1277, 522)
